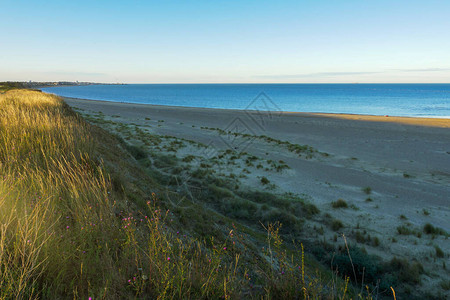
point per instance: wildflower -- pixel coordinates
(224, 248)
(67, 227)
(168, 258)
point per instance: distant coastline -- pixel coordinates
(43, 84)
(67, 83)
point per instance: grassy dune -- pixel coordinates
(80, 218)
(63, 232)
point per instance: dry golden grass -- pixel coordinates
(61, 234)
(48, 187)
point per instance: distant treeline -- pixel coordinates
(7, 85)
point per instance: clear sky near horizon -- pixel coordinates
(321, 41)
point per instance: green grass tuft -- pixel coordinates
(340, 203)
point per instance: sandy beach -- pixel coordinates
(404, 161)
(364, 150)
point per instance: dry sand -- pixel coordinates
(405, 161)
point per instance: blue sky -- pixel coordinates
(226, 41)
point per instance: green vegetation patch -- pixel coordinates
(430, 229)
(340, 203)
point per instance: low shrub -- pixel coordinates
(359, 264)
(403, 230)
(367, 190)
(291, 224)
(336, 225)
(376, 242)
(439, 252)
(219, 193)
(407, 272)
(264, 180)
(430, 229)
(340, 203)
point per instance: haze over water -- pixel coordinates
(415, 100)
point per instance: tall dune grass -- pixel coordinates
(50, 191)
(61, 234)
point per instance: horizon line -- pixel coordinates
(122, 83)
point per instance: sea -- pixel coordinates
(413, 100)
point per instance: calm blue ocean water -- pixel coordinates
(418, 100)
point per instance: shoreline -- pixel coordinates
(427, 121)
